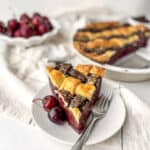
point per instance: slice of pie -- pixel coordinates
(77, 89)
(106, 42)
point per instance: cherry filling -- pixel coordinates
(127, 50)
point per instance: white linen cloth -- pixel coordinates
(22, 75)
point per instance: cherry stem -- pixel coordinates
(38, 100)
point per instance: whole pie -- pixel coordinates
(77, 89)
(106, 42)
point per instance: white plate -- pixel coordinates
(104, 129)
(35, 40)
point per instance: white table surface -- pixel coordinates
(141, 89)
(17, 136)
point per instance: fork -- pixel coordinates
(98, 112)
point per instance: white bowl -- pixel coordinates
(35, 40)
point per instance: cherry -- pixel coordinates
(36, 21)
(13, 24)
(2, 30)
(49, 102)
(57, 115)
(2, 24)
(10, 32)
(24, 18)
(26, 31)
(42, 29)
(35, 32)
(17, 33)
(2, 27)
(36, 14)
(49, 26)
(47, 23)
(45, 19)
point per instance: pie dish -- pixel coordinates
(77, 89)
(106, 42)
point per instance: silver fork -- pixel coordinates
(98, 112)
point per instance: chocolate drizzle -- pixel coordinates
(68, 70)
(64, 68)
(95, 30)
(67, 96)
(77, 101)
(98, 49)
(77, 74)
(85, 38)
(91, 79)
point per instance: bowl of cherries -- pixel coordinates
(28, 30)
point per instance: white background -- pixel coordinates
(56, 6)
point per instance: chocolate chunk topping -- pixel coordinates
(99, 50)
(91, 30)
(77, 74)
(82, 39)
(77, 101)
(126, 24)
(64, 68)
(85, 38)
(91, 79)
(94, 30)
(67, 96)
(84, 106)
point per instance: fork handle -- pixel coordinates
(84, 136)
